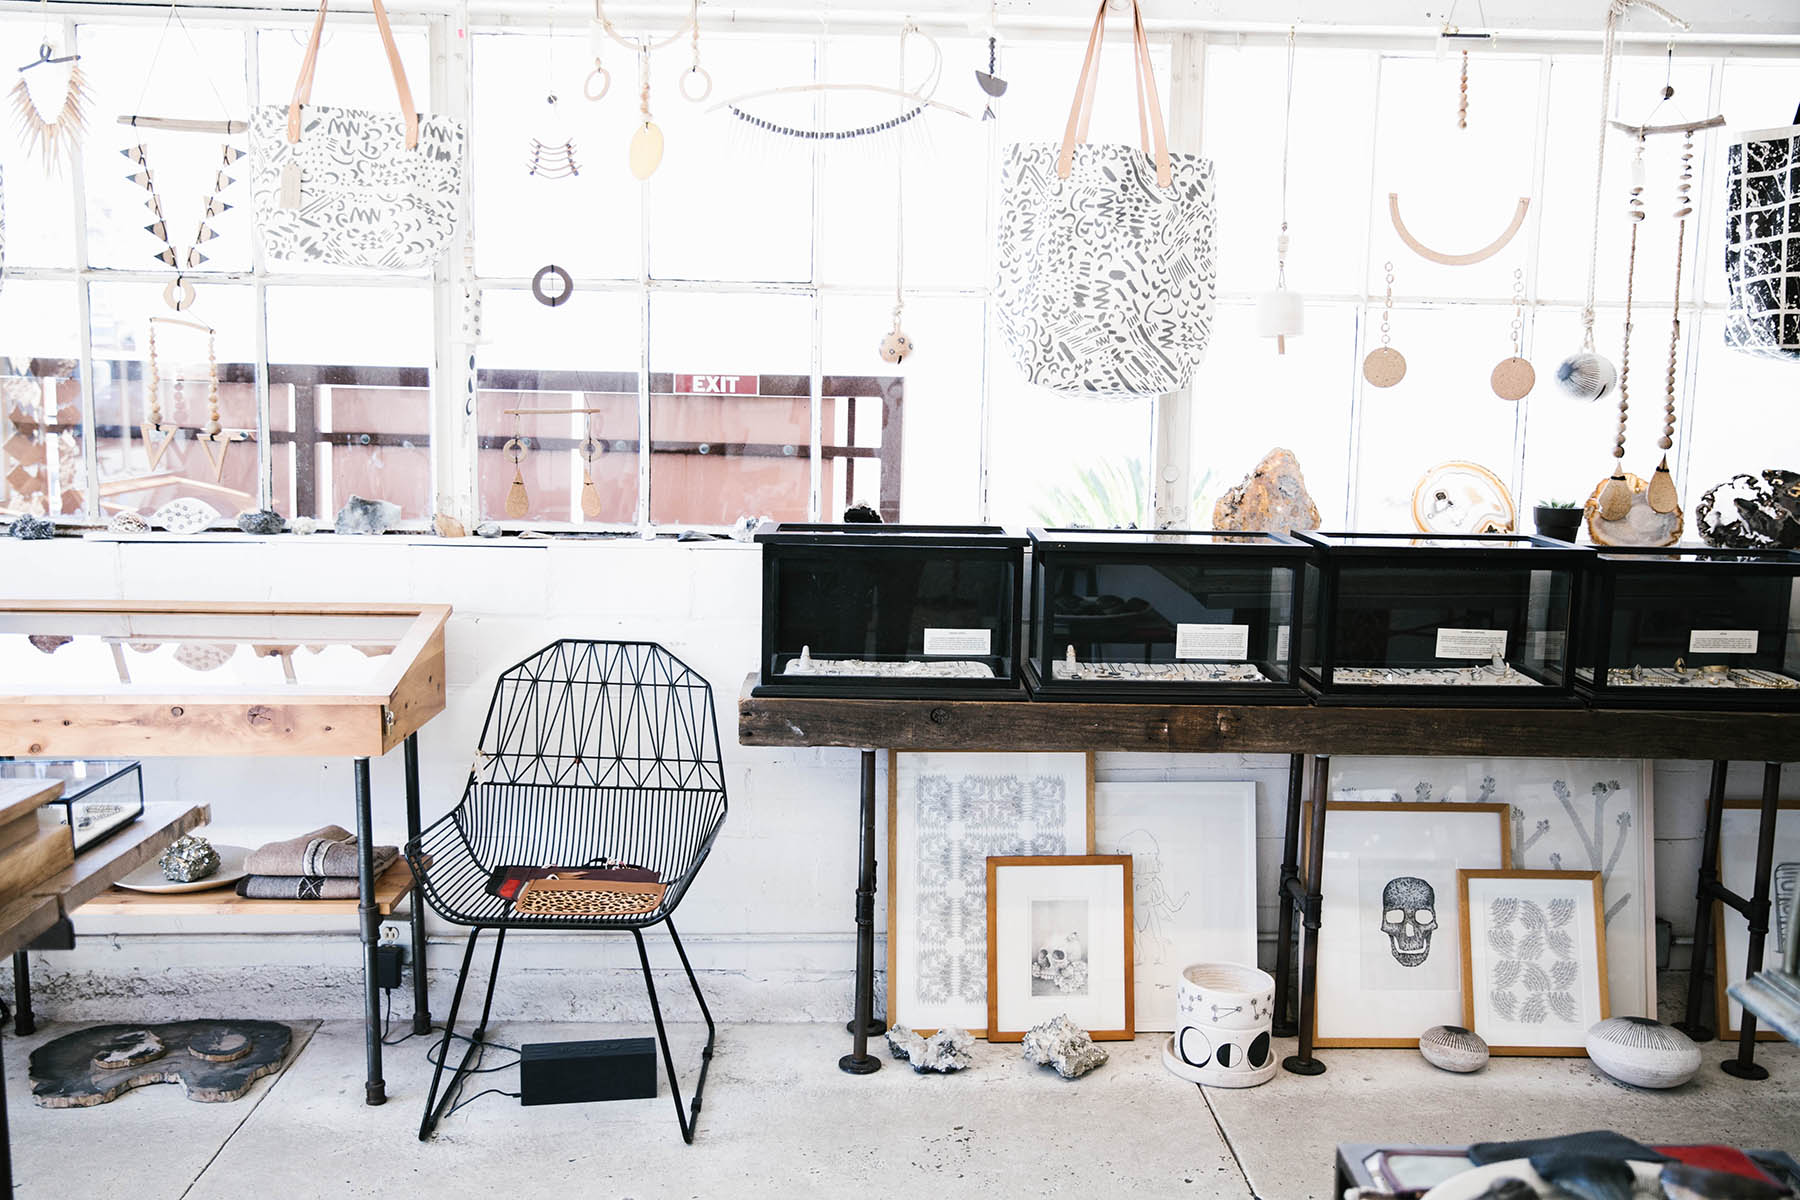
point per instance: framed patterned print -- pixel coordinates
(1533, 959)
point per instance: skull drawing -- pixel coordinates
(1409, 917)
(1061, 962)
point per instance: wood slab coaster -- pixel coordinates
(67, 1072)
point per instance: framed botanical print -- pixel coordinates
(1193, 880)
(948, 813)
(1568, 814)
(1738, 826)
(1059, 942)
(1534, 959)
(1390, 965)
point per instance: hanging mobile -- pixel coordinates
(1451, 32)
(553, 160)
(1663, 496)
(896, 345)
(518, 502)
(1281, 314)
(56, 140)
(590, 496)
(989, 80)
(646, 149)
(213, 433)
(552, 286)
(1514, 377)
(1385, 366)
(1613, 501)
(179, 294)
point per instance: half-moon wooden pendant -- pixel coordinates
(1384, 367)
(179, 295)
(646, 150)
(1513, 378)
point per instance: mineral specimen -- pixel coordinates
(448, 526)
(128, 522)
(1272, 499)
(366, 516)
(1749, 513)
(49, 643)
(185, 515)
(1059, 1043)
(263, 520)
(861, 514)
(188, 859)
(488, 529)
(303, 525)
(944, 1052)
(32, 529)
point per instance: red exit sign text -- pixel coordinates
(716, 385)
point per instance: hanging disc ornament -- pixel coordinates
(646, 150)
(1384, 367)
(1513, 378)
(552, 286)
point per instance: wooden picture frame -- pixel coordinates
(1587, 998)
(1407, 1012)
(1023, 928)
(1077, 833)
(1738, 872)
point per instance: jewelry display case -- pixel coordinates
(901, 611)
(1163, 615)
(1691, 627)
(1476, 619)
(100, 795)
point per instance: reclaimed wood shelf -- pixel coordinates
(393, 886)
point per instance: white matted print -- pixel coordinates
(1738, 826)
(1568, 814)
(1390, 966)
(1193, 880)
(948, 813)
(1059, 943)
(1534, 959)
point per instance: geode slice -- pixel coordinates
(1748, 513)
(944, 1052)
(1061, 1044)
(188, 859)
(366, 516)
(1271, 499)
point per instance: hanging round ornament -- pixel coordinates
(1514, 376)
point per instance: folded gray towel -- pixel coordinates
(310, 887)
(329, 852)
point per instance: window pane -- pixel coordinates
(729, 201)
(41, 468)
(731, 408)
(1055, 459)
(581, 354)
(142, 469)
(350, 398)
(1743, 419)
(34, 199)
(587, 224)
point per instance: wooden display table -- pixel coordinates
(1309, 734)
(87, 678)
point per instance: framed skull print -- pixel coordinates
(1390, 960)
(1059, 944)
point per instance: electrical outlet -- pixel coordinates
(389, 959)
(390, 933)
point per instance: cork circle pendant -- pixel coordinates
(1384, 367)
(1513, 378)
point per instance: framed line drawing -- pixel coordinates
(1533, 959)
(1193, 880)
(948, 813)
(1059, 942)
(1567, 814)
(1389, 959)
(1738, 824)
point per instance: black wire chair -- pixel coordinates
(592, 751)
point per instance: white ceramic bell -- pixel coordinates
(1280, 314)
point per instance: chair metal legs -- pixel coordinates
(689, 1117)
(434, 1107)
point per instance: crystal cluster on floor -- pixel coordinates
(945, 1051)
(1062, 1044)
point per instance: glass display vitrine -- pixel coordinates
(889, 610)
(100, 795)
(1163, 615)
(1691, 627)
(1480, 619)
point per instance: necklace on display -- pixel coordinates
(179, 294)
(1385, 366)
(1514, 377)
(55, 140)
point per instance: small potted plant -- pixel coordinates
(1559, 519)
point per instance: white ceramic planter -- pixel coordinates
(1222, 1036)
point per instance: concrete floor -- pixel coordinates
(781, 1120)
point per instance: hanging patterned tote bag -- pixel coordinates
(1106, 268)
(346, 187)
(1762, 242)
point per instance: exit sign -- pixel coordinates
(717, 385)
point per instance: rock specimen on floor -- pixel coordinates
(945, 1051)
(213, 1061)
(1748, 513)
(265, 521)
(367, 516)
(1060, 1043)
(1272, 499)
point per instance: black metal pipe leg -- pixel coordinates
(1303, 1062)
(1694, 1023)
(682, 1116)
(6, 1179)
(369, 924)
(1745, 1066)
(1283, 1023)
(421, 990)
(859, 1061)
(24, 1020)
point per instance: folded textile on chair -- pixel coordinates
(329, 851)
(310, 887)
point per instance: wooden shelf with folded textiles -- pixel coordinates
(393, 886)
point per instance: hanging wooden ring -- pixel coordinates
(705, 83)
(603, 75)
(514, 450)
(1456, 260)
(179, 294)
(564, 289)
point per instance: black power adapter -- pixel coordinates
(389, 959)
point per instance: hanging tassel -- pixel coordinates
(1663, 498)
(1615, 499)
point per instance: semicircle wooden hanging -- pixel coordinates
(1457, 260)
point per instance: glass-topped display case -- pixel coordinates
(889, 610)
(1691, 627)
(1397, 618)
(100, 795)
(1163, 615)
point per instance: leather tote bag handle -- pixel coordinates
(308, 65)
(1152, 136)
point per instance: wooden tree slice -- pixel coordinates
(1384, 367)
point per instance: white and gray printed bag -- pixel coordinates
(1106, 267)
(347, 187)
(1762, 242)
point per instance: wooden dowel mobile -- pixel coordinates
(183, 125)
(213, 433)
